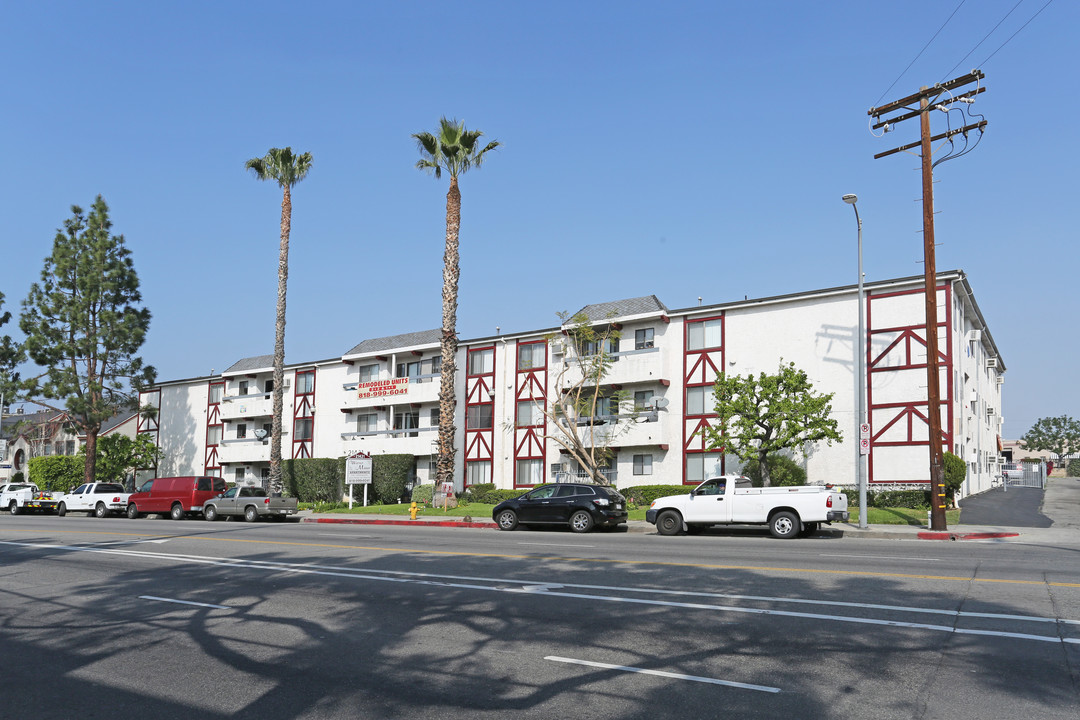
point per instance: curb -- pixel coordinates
(965, 536)
(415, 523)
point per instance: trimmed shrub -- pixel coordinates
(643, 495)
(955, 472)
(18, 477)
(783, 471)
(423, 493)
(912, 499)
(57, 472)
(488, 494)
(389, 473)
(314, 480)
(1073, 468)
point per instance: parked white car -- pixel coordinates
(97, 499)
(730, 500)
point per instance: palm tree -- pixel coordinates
(287, 169)
(455, 150)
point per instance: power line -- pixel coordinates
(1018, 31)
(950, 72)
(923, 50)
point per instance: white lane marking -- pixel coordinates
(185, 602)
(351, 537)
(661, 673)
(520, 587)
(555, 545)
(880, 557)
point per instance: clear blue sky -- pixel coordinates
(677, 149)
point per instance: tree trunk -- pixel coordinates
(448, 344)
(91, 454)
(276, 483)
(763, 468)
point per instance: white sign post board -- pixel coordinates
(358, 472)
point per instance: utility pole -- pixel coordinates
(928, 99)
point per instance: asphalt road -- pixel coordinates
(106, 618)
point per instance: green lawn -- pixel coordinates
(481, 511)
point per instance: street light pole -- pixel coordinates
(860, 354)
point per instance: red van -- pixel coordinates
(176, 496)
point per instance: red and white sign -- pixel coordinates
(864, 439)
(383, 388)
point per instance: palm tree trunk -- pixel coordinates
(279, 344)
(448, 344)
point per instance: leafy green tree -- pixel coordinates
(117, 454)
(455, 150)
(763, 415)
(11, 354)
(83, 322)
(1059, 435)
(286, 169)
(587, 416)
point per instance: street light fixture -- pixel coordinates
(860, 354)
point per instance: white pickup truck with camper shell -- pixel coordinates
(789, 511)
(97, 499)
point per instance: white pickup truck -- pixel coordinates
(18, 498)
(789, 511)
(97, 499)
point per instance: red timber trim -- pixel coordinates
(479, 391)
(700, 370)
(303, 412)
(150, 425)
(211, 463)
(530, 384)
(909, 414)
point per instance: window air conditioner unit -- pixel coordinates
(1000, 380)
(556, 468)
(976, 335)
(991, 362)
(989, 410)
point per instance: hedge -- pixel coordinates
(322, 480)
(389, 473)
(1073, 468)
(641, 495)
(57, 472)
(423, 493)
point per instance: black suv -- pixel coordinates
(581, 506)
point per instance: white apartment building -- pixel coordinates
(381, 396)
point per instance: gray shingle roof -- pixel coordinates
(394, 342)
(624, 308)
(259, 362)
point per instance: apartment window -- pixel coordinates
(407, 421)
(482, 362)
(643, 399)
(302, 429)
(213, 435)
(243, 388)
(695, 400)
(643, 338)
(241, 431)
(479, 417)
(239, 476)
(704, 334)
(531, 355)
(268, 427)
(268, 386)
(607, 406)
(305, 382)
(408, 369)
(478, 472)
(530, 472)
(367, 373)
(643, 464)
(265, 474)
(434, 417)
(215, 394)
(700, 466)
(366, 422)
(593, 347)
(529, 414)
(436, 364)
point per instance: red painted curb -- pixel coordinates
(425, 523)
(964, 536)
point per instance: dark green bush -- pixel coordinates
(314, 479)
(1073, 468)
(783, 471)
(389, 473)
(488, 494)
(643, 495)
(18, 477)
(57, 472)
(955, 472)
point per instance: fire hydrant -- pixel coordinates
(412, 511)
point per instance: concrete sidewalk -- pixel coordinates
(1060, 505)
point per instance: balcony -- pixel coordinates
(396, 391)
(631, 367)
(626, 430)
(244, 451)
(237, 407)
(415, 441)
